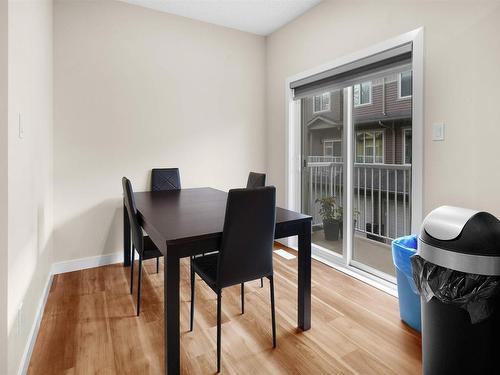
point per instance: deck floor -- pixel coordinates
(369, 252)
(89, 327)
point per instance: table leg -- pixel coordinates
(172, 314)
(126, 238)
(304, 276)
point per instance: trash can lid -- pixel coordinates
(447, 222)
(461, 239)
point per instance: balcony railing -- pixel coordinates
(381, 196)
(320, 159)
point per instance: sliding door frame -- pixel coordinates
(294, 158)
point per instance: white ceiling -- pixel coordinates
(260, 17)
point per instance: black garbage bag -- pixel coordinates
(474, 293)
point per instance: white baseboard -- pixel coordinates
(30, 343)
(84, 263)
(57, 268)
(288, 242)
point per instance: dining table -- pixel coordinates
(189, 222)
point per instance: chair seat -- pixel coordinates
(206, 267)
(150, 249)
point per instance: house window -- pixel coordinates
(321, 103)
(370, 147)
(362, 94)
(404, 85)
(332, 147)
(407, 146)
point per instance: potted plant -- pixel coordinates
(332, 217)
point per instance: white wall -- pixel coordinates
(136, 89)
(29, 166)
(3, 184)
(462, 54)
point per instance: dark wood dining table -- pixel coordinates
(189, 222)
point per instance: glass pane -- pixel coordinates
(356, 94)
(406, 84)
(365, 93)
(317, 103)
(337, 149)
(381, 185)
(328, 151)
(379, 144)
(326, 102)
(323, 171)
(408, 146)
(369, 147)
(359, 148)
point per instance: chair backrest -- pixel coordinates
(165, 179)
(128, 197)
(246, 251)
(256, 180)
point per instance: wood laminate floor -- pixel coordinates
(89, 326)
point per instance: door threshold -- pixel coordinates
(333, 260)
(361, 275)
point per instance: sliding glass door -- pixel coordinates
(357, 155)
(323, 188)
(381, 184)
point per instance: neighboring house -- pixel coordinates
(382, 114)
(382, 177)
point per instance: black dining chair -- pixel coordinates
(142, 244)
(165, 179)
(246, 251)
(256, 180)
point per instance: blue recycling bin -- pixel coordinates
(409, 298)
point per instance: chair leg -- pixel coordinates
(191, 324)
(219, 302)
(242, 298)
(261, 283)
(157, 264)
(139, 286)
(273, 315)
(132, 272)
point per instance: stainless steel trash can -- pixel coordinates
(457, 271)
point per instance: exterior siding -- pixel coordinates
(399, 146)
(385, 112)
(380, 109)
(389, 146)
(334, 114)
(371, 111)
(316, 141)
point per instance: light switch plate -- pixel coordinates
(20, 128)
(438, 131)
